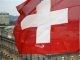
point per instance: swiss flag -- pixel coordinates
(48, 27)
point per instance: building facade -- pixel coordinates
(8, 49)
(4, 18)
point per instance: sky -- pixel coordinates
(9, 6)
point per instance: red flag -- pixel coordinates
(48, 27)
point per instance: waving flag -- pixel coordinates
(48, 27)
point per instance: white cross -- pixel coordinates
(43, 20)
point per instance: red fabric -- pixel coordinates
(64, 37)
